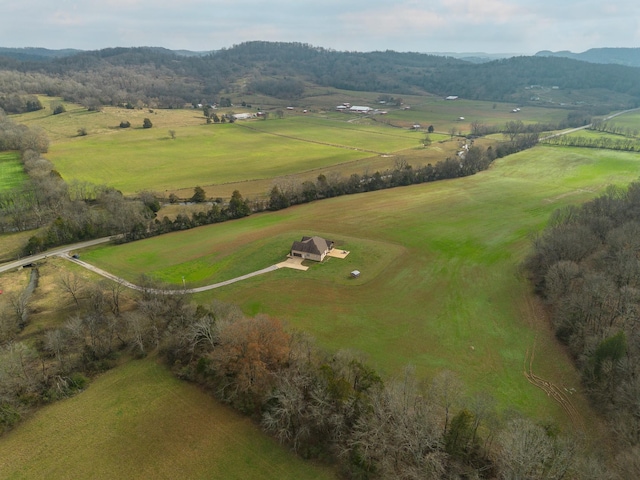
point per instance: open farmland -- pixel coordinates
(629, 121)
(139, 421)
(253, 155)
(440, 285)
(11, 173)
(133, 160)
(445, 114)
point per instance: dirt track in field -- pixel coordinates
(552, 390)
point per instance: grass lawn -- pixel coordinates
(12, 174)
(440, 285)
(138, 421)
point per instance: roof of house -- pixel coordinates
(314, 245)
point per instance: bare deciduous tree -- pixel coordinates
(400, 436)
(446, 391)
(72, 284)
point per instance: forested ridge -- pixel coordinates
(162, 78)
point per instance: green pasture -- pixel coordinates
(445, 114)
(12, 243)
(11, 172)
(138, 422)
(629, 120)
(136, 159)
(596, 135)
(586, 133)
(440, 285)
(64, 126)
(371, 137)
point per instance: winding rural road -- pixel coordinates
(63, 252)
(133, 286)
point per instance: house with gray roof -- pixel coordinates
(311, 248)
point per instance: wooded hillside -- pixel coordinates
(160, 77)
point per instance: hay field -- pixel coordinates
(135, 159)
(11, 172)
(139, 422)
(445, 114)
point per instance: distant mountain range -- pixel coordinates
(619, 56)
(41, 54)
(475, 57)
(36, 53)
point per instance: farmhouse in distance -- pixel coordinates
(312, 248)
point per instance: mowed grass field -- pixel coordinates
(629, 120)
(445, 114)
(259, 153)
(139, 422)
(134, 159)
(440, 286)
(11, 172)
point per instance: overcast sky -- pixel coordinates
(492, 26)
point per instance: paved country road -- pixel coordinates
(5, 267)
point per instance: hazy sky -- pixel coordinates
(493, 26)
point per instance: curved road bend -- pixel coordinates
(124, 282)
(49, 253)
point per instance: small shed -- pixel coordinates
(355, 274)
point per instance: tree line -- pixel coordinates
(585, 265)
(330, 406)
(623, 144)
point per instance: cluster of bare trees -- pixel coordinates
(20, 137)
(586, 266)
(15, 103)
(333, 406)
(330, 406)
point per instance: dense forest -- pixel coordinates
(161, 78)
(586, 267)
